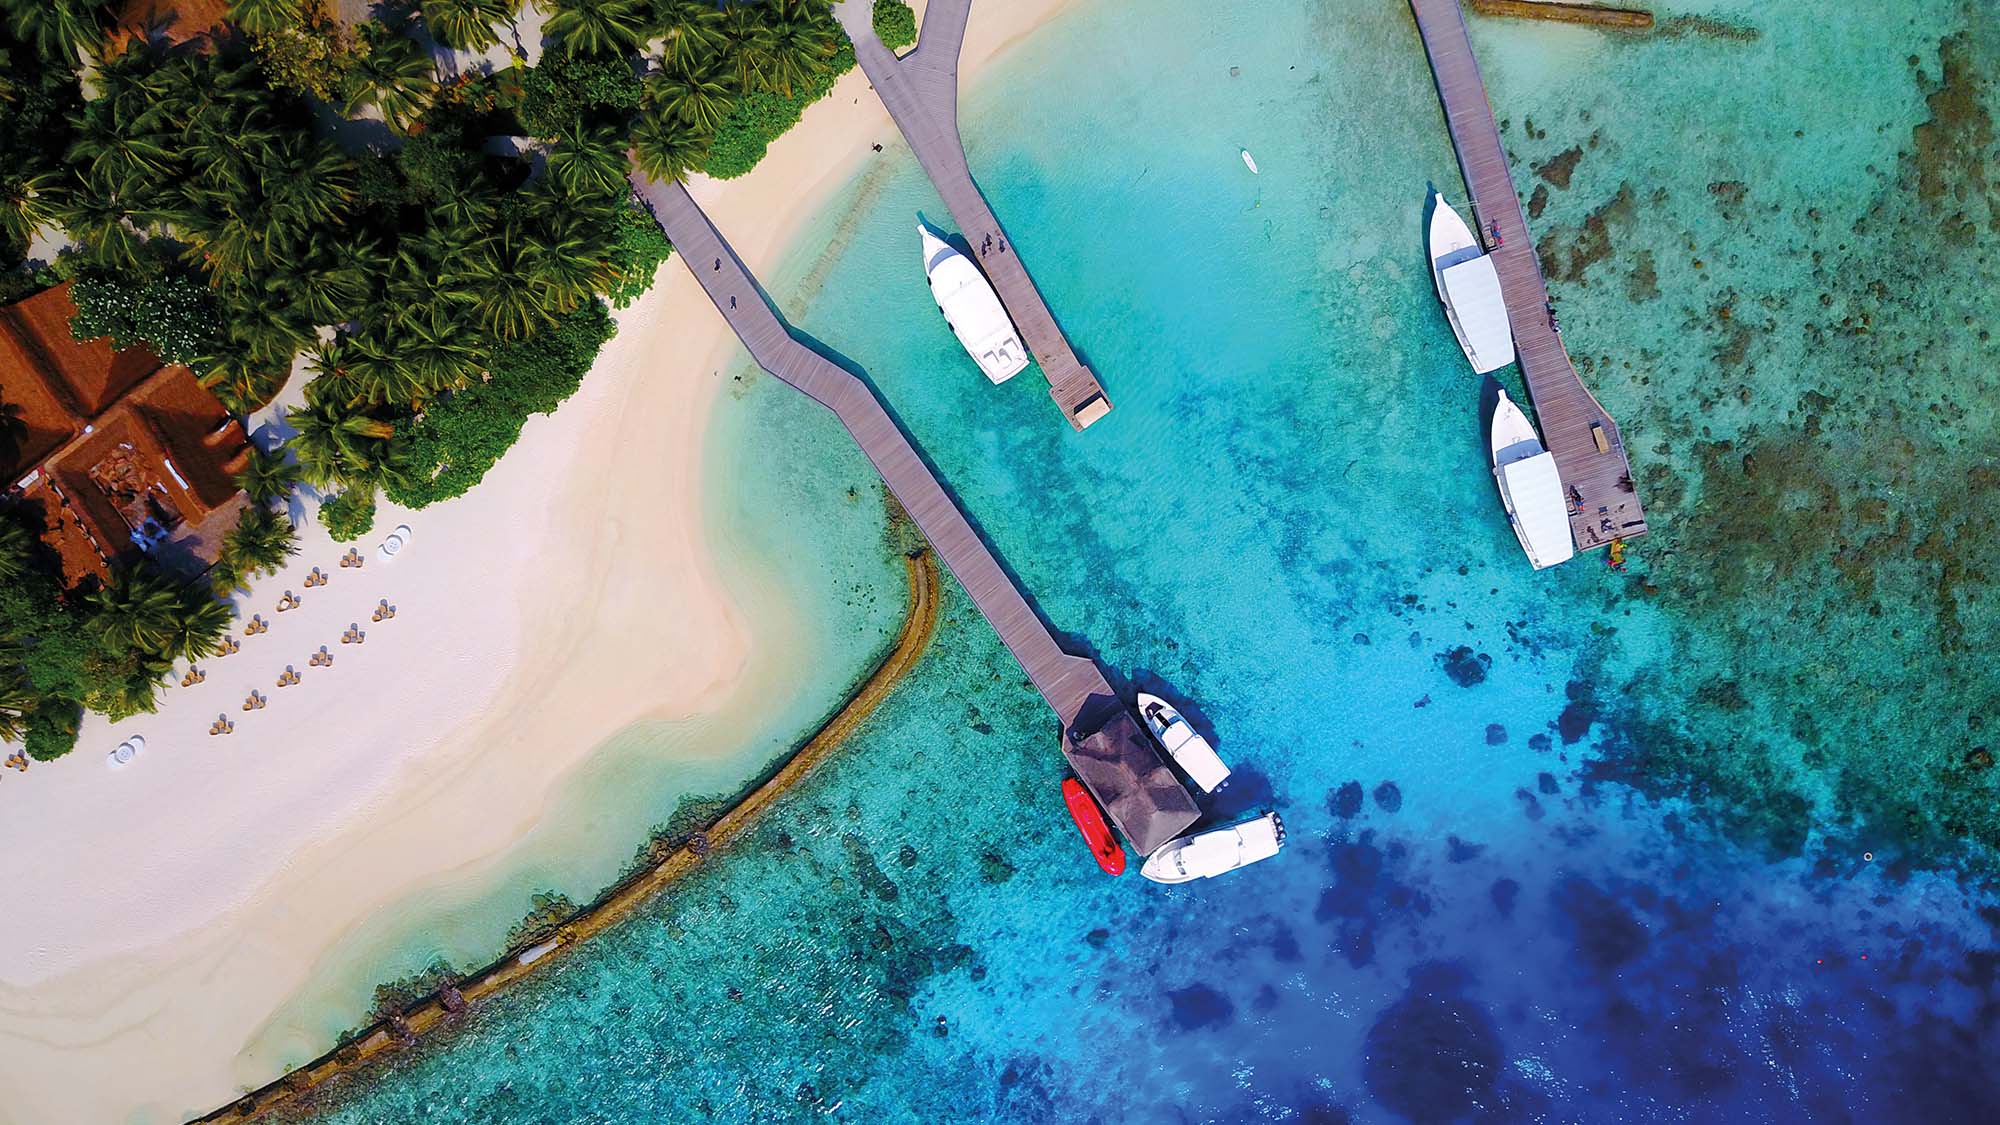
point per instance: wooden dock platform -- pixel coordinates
(1122, 768)
(1589, 450)
(920, 91)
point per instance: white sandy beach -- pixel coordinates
(158, 916)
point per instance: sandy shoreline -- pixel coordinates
(159, 917)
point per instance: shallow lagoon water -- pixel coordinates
(1563, 846)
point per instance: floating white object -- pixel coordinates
(1205, 855)
(1249, 162)
(1530, 487)
(972, 309)
(397, 540)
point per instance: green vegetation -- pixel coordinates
(350, 515)
(106, 649)
(36, 100)
(451, 445)
(440, 294)
(895, 24)
(172, 311)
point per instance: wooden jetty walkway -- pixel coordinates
(1101, 737)
(1589, 450)
(920, 91)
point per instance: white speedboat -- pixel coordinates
(1249, 162)
(1530, 487)
(1205, 855)
(1190, 751)
(1470, 289)
(972, 309)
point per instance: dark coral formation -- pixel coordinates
(1433, 1056)
(1465, 667)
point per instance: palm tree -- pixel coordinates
(750, 45)
(142, 610)
(516, 302)
(467, 25)
(307, 182)
(698, 96)
(17, 546)
(596, 27)
(692, 30)
(105, 229)
(590, 162)
(392, 73)
(258, 545)
(60, 30)
(801, 36)
(18, 700)
(26, 206)
(13, 432)
(665, 150)
(267, 477)
(336, 443)
(262, 17)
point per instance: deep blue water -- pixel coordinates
(1489, 910)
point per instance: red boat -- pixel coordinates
(1090, 821)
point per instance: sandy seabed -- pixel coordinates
(159, 918)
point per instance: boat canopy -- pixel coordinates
(1472, 290)
(1535, 490)
(1115, 757)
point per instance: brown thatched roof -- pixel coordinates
(1121, 765)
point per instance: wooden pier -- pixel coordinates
(1589, 450)
(1101, 738)
(920, 91)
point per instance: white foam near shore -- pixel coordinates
(160, 918)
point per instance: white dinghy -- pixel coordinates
(972, 309)
(1205, 855)
(1530, 487)
(1190, 751)
(1470, 289)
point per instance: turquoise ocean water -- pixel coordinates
(1570, 846)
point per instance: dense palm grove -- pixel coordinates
(301, 188)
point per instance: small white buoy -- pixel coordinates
(1868, 857)
(1249, 162)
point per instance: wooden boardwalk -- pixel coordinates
(920, 91)
(1123, 769)
(1572, 421)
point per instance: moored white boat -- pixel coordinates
(1470, 289)
(1205, 855)
(1189, 750)
(1249, 162)
(1530, 487)
(972, 309)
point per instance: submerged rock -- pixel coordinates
(1388, 797)
(1345, 802)
(1464, 666)
(1433, 1056)
(1198, 1006)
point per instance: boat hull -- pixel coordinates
(1469, 288)
(1089, 818)
(1217, 851)
(972, 309)
(1189, 750)
(1530, 487)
